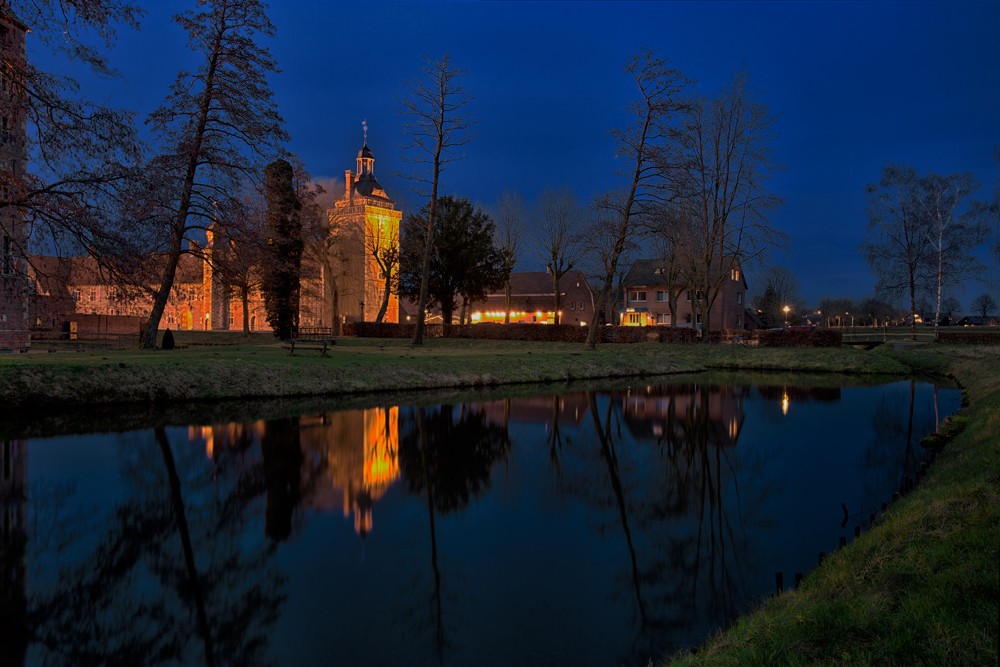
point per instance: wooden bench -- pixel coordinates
(312, 338)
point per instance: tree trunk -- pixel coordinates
(180, 223)
(555, 290)
(461, 313)
(245, 298)
(182, 528)
(385, 299)
(506, 294)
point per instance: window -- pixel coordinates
(661, 296)
(663, 318)
(698, 295)
(76, 295)
(636, 296)
(698, 318)
(634, 318)
(687, 295)
(581, 306)
(739, 321)
(93, 294)
(735, 273)
(739, 297)
(572, 305)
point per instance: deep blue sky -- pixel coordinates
(856, 84)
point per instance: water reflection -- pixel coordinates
(637, 519)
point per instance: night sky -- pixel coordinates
(856, 84)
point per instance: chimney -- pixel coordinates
(349, 181)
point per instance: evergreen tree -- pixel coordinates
(283, 256)
(463, 261)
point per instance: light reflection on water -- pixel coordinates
(584, 528)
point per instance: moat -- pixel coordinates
(595, 527)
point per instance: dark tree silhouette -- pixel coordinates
(283, 228)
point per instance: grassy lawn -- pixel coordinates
(206, 369)
(920, 588)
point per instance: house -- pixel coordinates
(979, 321)
(646, 299)
(532, 300)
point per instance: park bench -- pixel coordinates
(311, 338)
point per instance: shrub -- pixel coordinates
(781, 337)
(168, 341)
(970, 337)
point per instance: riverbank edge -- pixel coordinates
(135, 378)
(919, 587)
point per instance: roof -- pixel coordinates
(365, 152)
(646, 272)
(539, 283)
(53, 274)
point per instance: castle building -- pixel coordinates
(13, 166)
(367, 223)
(340, 275)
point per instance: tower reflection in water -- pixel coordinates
(342, 461)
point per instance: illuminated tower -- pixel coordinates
(369, 224)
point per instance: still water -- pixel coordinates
(597, 527)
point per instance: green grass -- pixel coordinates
(246, 370)
(921, 588)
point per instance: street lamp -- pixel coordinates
(786, 309)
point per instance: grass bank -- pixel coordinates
(257, 370)
(921, 587)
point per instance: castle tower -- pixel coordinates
(13, 166)
(371, 224)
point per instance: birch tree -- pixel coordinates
(217, 125)
(437, 125)
(953, 233)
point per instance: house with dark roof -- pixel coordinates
(532, 300)
(647, 294)
(979, 321)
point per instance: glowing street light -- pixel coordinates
(786, 309)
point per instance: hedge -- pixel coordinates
(781, 337)
(970, 337)
(520, 331)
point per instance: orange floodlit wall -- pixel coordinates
(381, 231)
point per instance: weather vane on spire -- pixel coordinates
(364, 125)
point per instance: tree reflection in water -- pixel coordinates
(447, 462)
(662, 468)
(170, 575)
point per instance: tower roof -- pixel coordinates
(365, 152)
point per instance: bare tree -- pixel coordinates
(218, 124)
(639, 144)
(604, 256)
(67, 166)
(953, 235)
(510, 235)
(437, 124)
(382, 243)
(778, 287)
(897, 246)
(558, 218)
(238, 246)
(982, 305)
(720, 168)
(671, 238)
